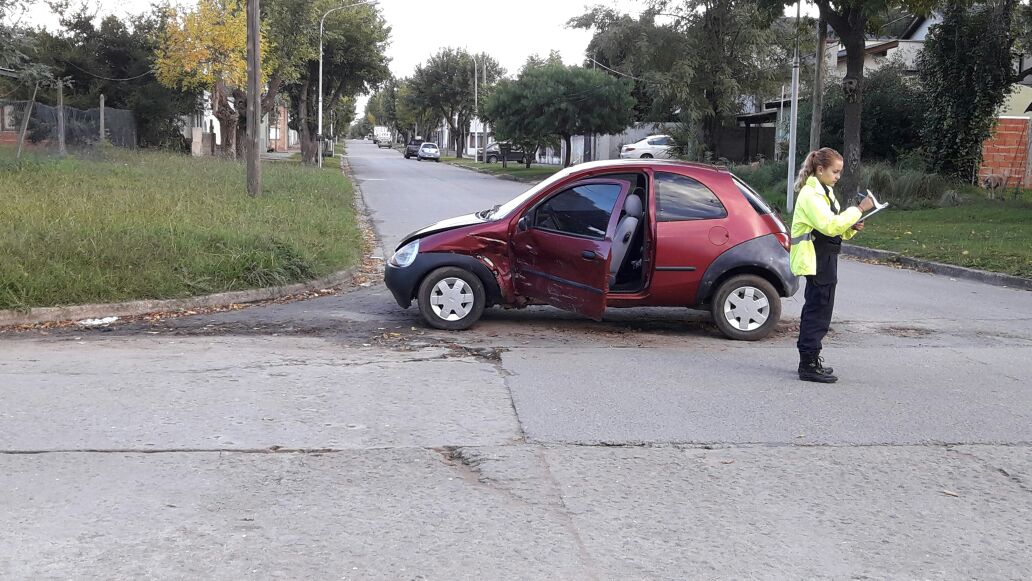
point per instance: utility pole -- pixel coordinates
(61, 149)
(103, 134)
(817, 117)
(794, 117)
(254, 99)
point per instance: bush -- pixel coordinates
(892, 118)
(903, 188)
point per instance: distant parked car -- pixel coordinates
(657, 146)
(632, 233)
(494, 153)
(412, 148)
(428, 151)
(383, 142)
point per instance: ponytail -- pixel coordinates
(821, 158)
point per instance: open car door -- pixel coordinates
(561, 246)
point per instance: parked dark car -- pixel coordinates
(412, 148)
(494, 153)
(622, 233)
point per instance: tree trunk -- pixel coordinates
(305, 136)
(852, 86)
(566, 154)
(227, 118)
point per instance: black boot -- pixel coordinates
(810, 368)
(821, 367)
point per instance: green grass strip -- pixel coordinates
(125, 225)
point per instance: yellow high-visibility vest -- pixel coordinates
(815, 211)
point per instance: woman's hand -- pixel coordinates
(859, 226)
(866, 205)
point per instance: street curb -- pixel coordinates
(34, 316)
(983, 276)
(501, 176)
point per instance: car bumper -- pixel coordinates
(628, 155)
(423, 156)
(403, 282)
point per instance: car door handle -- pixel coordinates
(589, 255)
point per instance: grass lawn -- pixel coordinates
(983, 234)
(128, 225)
(534, 173)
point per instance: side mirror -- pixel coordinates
(522, 225)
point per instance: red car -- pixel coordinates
(625, 233)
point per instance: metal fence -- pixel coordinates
(81, 128)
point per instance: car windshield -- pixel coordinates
(502, 211)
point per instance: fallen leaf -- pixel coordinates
(950, 493)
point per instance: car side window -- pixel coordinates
(582, 210)
(680, 198)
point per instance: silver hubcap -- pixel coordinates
(746, 308)
(451, 299)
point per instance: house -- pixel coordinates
(1006, 154)
(202, 128)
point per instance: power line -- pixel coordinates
(73, 65)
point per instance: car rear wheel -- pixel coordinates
(451, 298)
(491, 159)
(646, 156)
(746, 308)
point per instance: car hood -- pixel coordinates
(442, 226)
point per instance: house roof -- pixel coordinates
(874, 48)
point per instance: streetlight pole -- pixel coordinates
(476, 106)
(793, 119)
(322, 23)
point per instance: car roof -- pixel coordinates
(646, 163)
(429, 143)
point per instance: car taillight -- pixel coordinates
(628, 149)
(784, 239)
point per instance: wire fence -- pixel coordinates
(81, 128)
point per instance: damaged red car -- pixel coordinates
(608, 234)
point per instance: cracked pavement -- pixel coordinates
(338, 437)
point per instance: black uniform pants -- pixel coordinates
(819, 303)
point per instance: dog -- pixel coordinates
(994, 184)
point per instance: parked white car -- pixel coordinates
(657, 146)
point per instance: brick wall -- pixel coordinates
(1005, 153)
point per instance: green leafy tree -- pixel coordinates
(893, 111)
(967, 71)
(354, 62)
(555, 100)
(692, 60)
(852, 20)
(116, 59)
(444, 85)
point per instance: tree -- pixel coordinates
(852, 20)
(115, 59)
(207, 49)
(360, 128)
(354, 62)
(411, 116)
(700, 65)
(967, 71)
(560, 101)
(445, 86)
(894, 107)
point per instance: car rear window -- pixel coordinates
(680, 198)
(755, 199)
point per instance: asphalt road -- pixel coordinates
(340, 438)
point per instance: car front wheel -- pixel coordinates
(451, 298)
(746, 308)
(491, 159)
